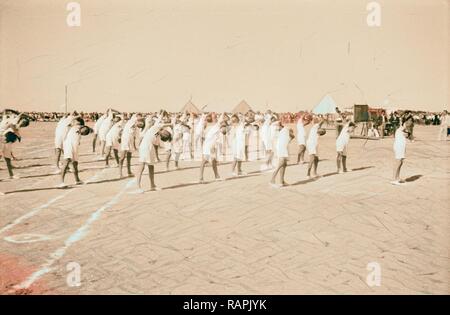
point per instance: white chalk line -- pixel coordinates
(72, 239)
(26, 238)
(36, 210)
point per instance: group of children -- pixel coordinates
(10, 126)
(121, 135)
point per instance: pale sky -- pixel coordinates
(139, 55)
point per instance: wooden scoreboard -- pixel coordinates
(361, 113)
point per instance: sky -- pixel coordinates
(138, 55)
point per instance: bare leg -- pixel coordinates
(311, 164)
(9, 166)
(275, 173)
(233, 166)
(75, 171)
(129, 155)
(344, 163)
(301, 153)
(338, 161)
(116, 155)
(102, 143)
(269, 158)
(121, 160)
(58, 156)
(151, 174)
(156, 152)
(169, 155)
(214, 167)
(140, 170)
(177, 158)
(108, 154)
(202, 168)
(64, 169)
(94, 142)
(316, 163)
(397, 167)
(239, 167)
(283, 171)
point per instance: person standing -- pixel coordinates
(341, 147)
(285, 136)
(401, 134)
(70, 147)
(445, 122)
(301, 137)
(312, 145)
(408, 122)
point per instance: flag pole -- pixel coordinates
(66, 99)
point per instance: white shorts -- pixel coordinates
(342, 149)
(399, 154)
(148, 156)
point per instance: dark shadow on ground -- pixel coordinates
(187, 185)
(252, 174)
(362, 168)
(31, 165)
(35, 158)
(107, 180)
(413, 178)
(37, 189)
(306, 181)
(309, 180)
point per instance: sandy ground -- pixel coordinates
(239, 236)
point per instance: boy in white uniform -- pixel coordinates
(62, 128)
(199, 130)
(97, 125)
(268, 134)
(103, 131)
(210, 147)
(147, 154)
(187, 138)
(9, 134)
(401, 134)
(238, 140)
(445, 122)
(113, 140)
(341, 147)
(301, 137)
(70, 147)
(312, 145)
(177, 142)
(285, 136)
(8, 138)
(128, 143)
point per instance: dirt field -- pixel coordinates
(239, 236)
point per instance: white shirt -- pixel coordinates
(301, 136)
(399, 144)
(62, 128)
(239, 141)
(71, 143)
(129, 135)
(343, 140)
(211, 137)
(113, 135)
(98, 123)
(147, 152)
(313, 139)
(105, 126)
(283, 143)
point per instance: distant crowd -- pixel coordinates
(210, 137)
(377, 118)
